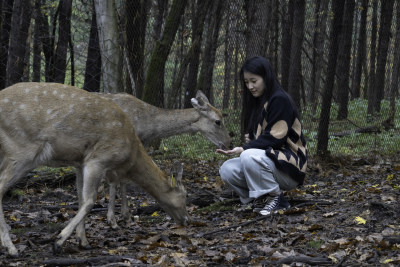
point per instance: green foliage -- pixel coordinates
(316, 244)
(355, 144)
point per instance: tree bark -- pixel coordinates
(343, 66)
(111, 57)
(230, 32)
(256, 14)
(136, 36)
(318, 51)
(64, 33)
(18, 41)
(154, 83)
(383, 46)
(295, 75)
(199, 15)
(371, 84)
(356, 86)
(4, 40)
(336, 28)
(93, 61)
(37, 48)
(395, 75)
(207, 68)
(287, 23)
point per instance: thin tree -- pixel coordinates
(296, 48)
(154, 83)
(372, 67)
(361, 50)
(389, 123)
(7, 7)
(207, 68)
(343, 65)
(321, 11)
(383, 46)
(199, 14)
(111, 56)
(287, 23)
(135, 38)
(18, 41)
(64, 35)
(336, 28)
(93, 61)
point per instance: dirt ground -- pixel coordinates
(346, 214)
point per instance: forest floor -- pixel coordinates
(346, 214)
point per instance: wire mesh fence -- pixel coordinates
(230, 32)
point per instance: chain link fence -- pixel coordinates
(358, 134)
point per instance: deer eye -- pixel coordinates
(218, 123)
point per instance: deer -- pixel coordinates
(49, 124)
(151, 122)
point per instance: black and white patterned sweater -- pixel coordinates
(280, 134)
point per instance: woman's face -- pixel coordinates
(254, 83)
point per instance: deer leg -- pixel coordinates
(80, 228)
(124, 205)
(10, 173)
(92, 175)
(111, 207)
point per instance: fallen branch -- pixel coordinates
(304, 259)
(92, 261)
(368, 129)
(223, 229)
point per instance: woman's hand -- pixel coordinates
(236, 150)
(246, 138)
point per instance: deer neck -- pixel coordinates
(173, 122)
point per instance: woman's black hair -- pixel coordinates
(252, 106)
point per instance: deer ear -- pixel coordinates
(201, 101)
(177, 171)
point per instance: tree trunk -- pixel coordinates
(136, 36)
(154, 84)
(93, 61)
(287, 23)
(256, 14)
(64, 33)
(230, 32)
(207, 68)
(356, 86)
(111, 57)
(383, 46)
(18, 41)
(295, 74)
(199, 15)
(37, 49)
(4, 40)
(343, 66)
(396, 69)
(371, 85)
(336, 28)
(318, 51)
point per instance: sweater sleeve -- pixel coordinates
(275, 125)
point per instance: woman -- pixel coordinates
(274, 157)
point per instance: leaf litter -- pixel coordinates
(346, 214)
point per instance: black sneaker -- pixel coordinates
(260, 202)
(277, 203)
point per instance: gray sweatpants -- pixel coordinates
(253, 174)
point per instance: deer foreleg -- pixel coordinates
(92, 175)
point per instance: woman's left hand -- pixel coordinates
(234, 151)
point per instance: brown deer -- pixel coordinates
(59, 125)
(151, 123)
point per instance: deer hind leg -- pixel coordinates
(88, 184)
(111, 207)
(10, 172)
(124, 205)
